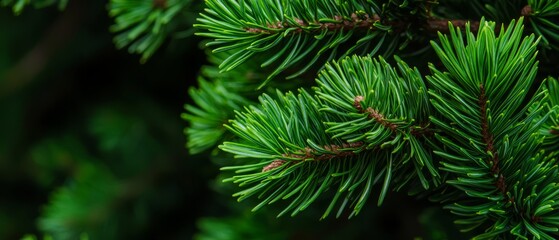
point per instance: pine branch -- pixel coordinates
(550, 128)
(144, 25)
(544, 20)
(363, 22)
(76, 208)
(492, 145)
(215, 104)
(353, 135)
(302, 34)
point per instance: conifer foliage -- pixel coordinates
(333, 104)
(478, 132)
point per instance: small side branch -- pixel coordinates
(363, 21)
(335, 151)
(442, 25)
(487, 138)
(373, 114)
(417, 130)
(356, 22)
(366, 22)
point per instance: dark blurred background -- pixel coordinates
(77, 113)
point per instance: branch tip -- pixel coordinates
(487, 138)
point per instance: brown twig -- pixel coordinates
(373, 114)
(417, 130)
(526, 11)
(335, 151)
(442, 25)
(487, 138)
(356, 22)
(364, 22)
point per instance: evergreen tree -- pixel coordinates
(314, 107)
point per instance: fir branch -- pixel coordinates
(300, 140)
(300, 33)
(363, 21)
(550, 129)
(143, 26)
(374, 114)
(544, 20)
(298, 145)
(275, 164)
(487, 136)
(492, 146)
(392, 109)
(215, 104)
(294, 30)
(355, 22)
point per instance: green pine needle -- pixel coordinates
(349, 138)
(482, 104)
(144, 25)
(302, 34)
(544, 19)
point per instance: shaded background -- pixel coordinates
(92, 144)
(73, 107)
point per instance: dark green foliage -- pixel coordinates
(483, 139)
(492, 144)
(83, 206)
(544, 19)
(491, 153)
(144, 25)
(19, 5)
(550, 129)
(215, 105)
(351, 137)
(463, 126)
(303, 33)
